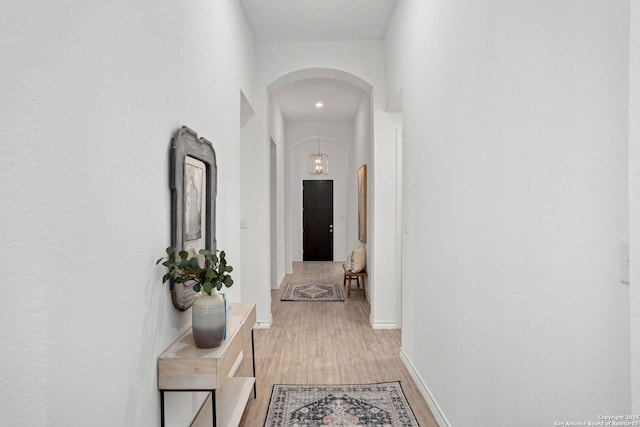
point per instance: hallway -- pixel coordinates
(325, 343)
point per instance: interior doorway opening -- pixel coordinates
(296, 124)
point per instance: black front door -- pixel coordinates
(317, 220)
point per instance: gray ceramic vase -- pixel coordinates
(208, 319)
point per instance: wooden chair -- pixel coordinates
(349, 276)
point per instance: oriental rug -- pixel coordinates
(381, 404)
(313, 292)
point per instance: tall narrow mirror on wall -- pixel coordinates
(193, 202)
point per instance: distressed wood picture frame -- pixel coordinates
(186, 144)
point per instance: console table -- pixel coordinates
(185, 367)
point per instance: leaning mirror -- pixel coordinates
(193, 202)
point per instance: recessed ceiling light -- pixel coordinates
(319, 104)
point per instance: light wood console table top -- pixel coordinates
(185, 367)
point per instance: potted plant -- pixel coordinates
(209, 273)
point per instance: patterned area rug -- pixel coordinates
(313, 292)
(382, 404)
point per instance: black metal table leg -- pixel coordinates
(253, 359)
(213, 408)
(161, 408)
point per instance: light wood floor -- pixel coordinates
(325, 343)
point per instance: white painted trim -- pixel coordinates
(264, 325)
(426, 393)
(276, 286)
(384, 325)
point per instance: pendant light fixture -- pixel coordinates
(318, 162)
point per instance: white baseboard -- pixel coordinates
(384, 325)
(426, 393)
(264, 324)
(276, 286)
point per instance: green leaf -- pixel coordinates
(193, 263)
(208, 286)
(182, 269)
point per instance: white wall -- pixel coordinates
(634, 202)
(91, 98)
(515, 161)
(362, 130)
(255, 214)
(380, 158)
(365, 61)
(278, 236)
(362, 147)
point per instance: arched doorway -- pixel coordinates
(343, 127)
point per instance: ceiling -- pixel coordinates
(318, 20)
(298, 100)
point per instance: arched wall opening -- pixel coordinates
(348, 142)
(373, 142)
